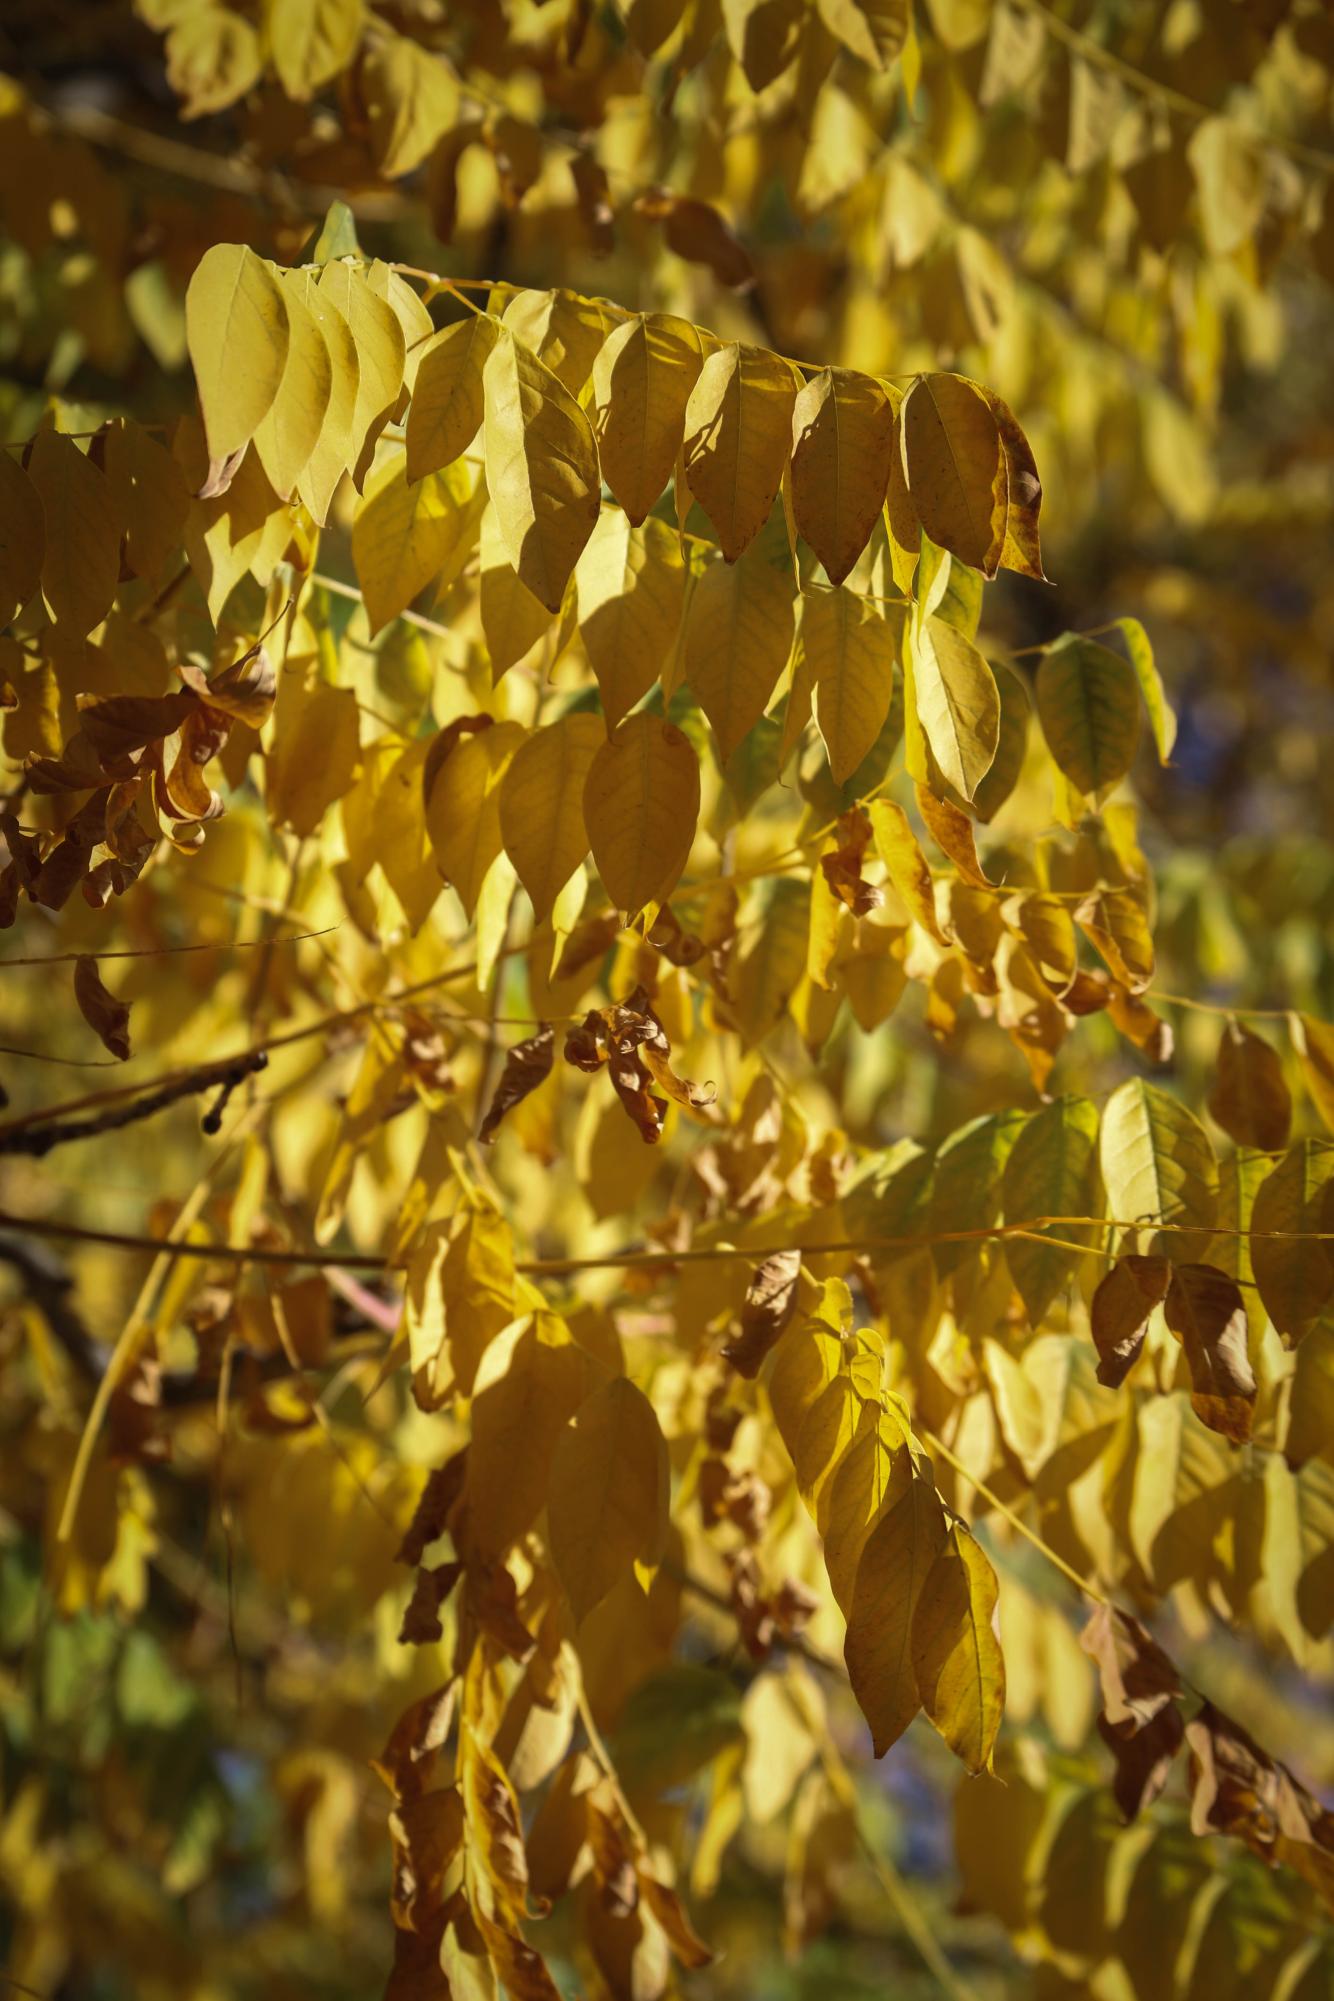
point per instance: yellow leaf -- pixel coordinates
(313, 757)
(1158, 1166)
(542, 805)
(384, 821)
(541, 468)
(1314, 1043)
(445, 414)
(312, 41)
(642, 379)
(641, 805)
(1088, 705)
(236, 323)
(772, 965)
(738, 436)
(1003, 773)
(631, 588)
(334, 450)
(1162, 718)
(81, 560)
(1023, 495)
(564, 331)
(871, 1477)
(290, 428)
(850, 646)
(607, 1507)
(738, 636)
(1295, 1277)
(897, 847)
(406, 306)
(245, 529)
(463, 807)
(874, 30)
(149, 495)
(404, 533)
(458, 1296)
(957, 704)
(21, 538)
(842, 436)
(412, 98)
(955, 468)
(764, 36)
(512, 619)
(530, 1382)
(378, 337)
(213, 57)
(894, 1565)
(957, 1659)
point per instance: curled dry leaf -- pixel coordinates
(1140, 1722)
(109, 1017)
(771, 1299)
(527, 1065)
(1119, 1313)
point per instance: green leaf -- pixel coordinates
(1051, 1171)
(1088, 705)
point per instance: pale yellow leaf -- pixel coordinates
(312, 41)
(404, 533)
(236, 323)
(957, 703)
(290, 428)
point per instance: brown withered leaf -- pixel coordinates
(678, 947)
(670, 1913)
(952, 831)
(842, 868)
(61, 871)
(631, 1041)
(415, 1742)
(1087, 993)
(1205, 1310)
(1238, 1789)
(427, 1834)
(119, 726)
(520, 1966)
(613, 1848)
(1139, 1024)
(527, 1065)
(697, 232)
(771, 1300)
(245, 690)
(1140, 1722)
(1250, 1097)
(107, 1016)
(221, 472)
(1119, 1313)
(430, 1518)
(493, 1599)
(416, 1974)
(421, 1618)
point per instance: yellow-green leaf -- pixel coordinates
(955, 468)
(236, 325)
(312, 41)
(957, 1659)
(1088, 705)
(642, 380)
(641, 805)
(1314, 1043)
(607, 1508)
(1295, 1275)
(1162, 718)
(842, 436)
(541, 468)
(897, 846)
(1051, 1171)
(334, 452)
(447, 398)
(738, 437)
(958, 705)
(1158, 1166)
(542, 805)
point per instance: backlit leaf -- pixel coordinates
(642, 380)
(447, 405)
(957, 703)
(607, 1506)
(237, 327)
(895, 1562)
(1088, 705)
(956, 1655)
(1158, 1167)
(641, 805)
(738, 635)
(541, 468)
(842, 437)
(738, 437)
(542, 805)
(955, 468)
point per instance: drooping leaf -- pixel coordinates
(631, 587)
(463, 806)
(1205, 1310)
(642, 380)
(1119, 1313)
(447, 404)
(641, 805)
(607, 1505)
(895, 1562)
(957, 1659)
(542, 805)
(1051, 1171)
(957, 703)
(850, 647)
(955, 468)
(738, 635)
(1158, 1167)
(842, 437)
(738, 437)
(107, 1016)
(1088, 705)
(1250, 1099)
(1295, 1274)
(236, 323)
(527, 1064)
(541, 468)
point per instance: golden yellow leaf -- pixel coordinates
(334, 452)
(313, 758)
(150, 498)
(289, 430)
(404, 533)
(236, 323)
(213, 57)
(607, 1506)
(381, 351)
(738, 636)
(529, 1383)
(412, 98)
(1158, 1166)
(631, 586)
(738, 437)
(870, 1478)
(641, 805)
(898, 849)
(842, 440)
(1314, 1043)
(542, 805)
(642, 380)
(850, 647)
(463, 807)
(445, 413)
(895, 1562)
(541, 468)
(957, 1659)
(955, 468)
(81, 557)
